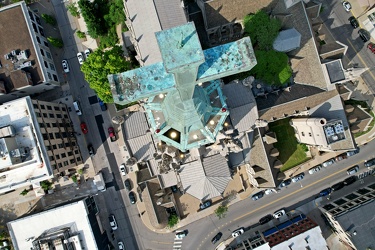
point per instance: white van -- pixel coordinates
(77, 107)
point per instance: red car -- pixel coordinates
(112, 134)
(84, 128)
(371, 47)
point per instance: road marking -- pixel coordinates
(360, 58)
(163, 242)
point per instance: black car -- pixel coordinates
(132, 198)
(128, 185)
(265, 219)
(370, 163)
(325, 192)
(216, 238)
(349, 180)
(338, 186)
(364, 35)
(91, 150)
(257, 196)
(285, 183)
(353, 22)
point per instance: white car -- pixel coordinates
(87, 52)
(122, 169)
(269, 191)
(279, 214)
(65, 66)
(315, 169)
(180, 234)
(80, 58)
(328, 163)
(121, 245)
(112, 222)
(298, 177)
(347, 6)
(238, 232)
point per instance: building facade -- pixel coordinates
(27, 67)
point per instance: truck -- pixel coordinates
(112, 134)
(99, 182)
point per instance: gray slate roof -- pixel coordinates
(361, 220)
(142, 147)
(287, 40)
(170, 13)
(242, 106)
(135, 125)
(205, 179)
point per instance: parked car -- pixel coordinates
(181, 234)
(238, 232)
(347, 6)
(87, 52)
(285, 183)
(328, 163)
(265, 219)
(338, 186)
(298, 177)
(216, 238)
(325, 192)
(84, 128)
(112, 134)
(122, 169)
(315, 169)
(279, 213)
(80, 58)
(371, 47)
(353, 22)
(257, 196)
(128, 185)
(132, 198)
(91, 150)
(121, 245)
(341, 157)
(65, 66)
(205, 204)
(370, 163)
(112, 222)
(174, 189)
(269, 191)
(102, 105)
(352, 170)
(349, 180)
(352, 152)
(364, 35)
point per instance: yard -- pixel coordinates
(291, 152)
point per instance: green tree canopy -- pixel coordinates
(49, 19)
(221, 211)
(262, 29)
(173, 220)
(272, 67)
(99, 65)
(73, 9)
(92, 13)
(56, 42)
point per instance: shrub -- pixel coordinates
(56, 42)
(24, 192)
(74, 178)
(73, 9)
(46, 185)
(81, 34)
(221, 211)
(80, 171)
(49, 19)
(172, 221)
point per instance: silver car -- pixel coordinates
(328, 163)
(80, 57)
(65, 66)
(315, 169)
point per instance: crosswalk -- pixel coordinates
(177, 245)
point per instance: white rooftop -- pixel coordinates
(73, 216)
(22, 162)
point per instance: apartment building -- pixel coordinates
(26, 63)
(36, 143)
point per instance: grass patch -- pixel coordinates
(291, 152)
(372, 123)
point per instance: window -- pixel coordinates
(70, 153)
(51, 135)
(64, 134)
(63, 109)
(51, 158)
(42, 52)
(35, 28)
(49, 147)
(38, 39)
(51, 116)
(66, 163)
(55, 78)
(57, 157)
(37, 114)
(78, 158)
(31, 15)
(60, 165)
(63, 155)
(45, 136)
(52, 67)
(48, 54)
(76, 152)
(41, 125)
(42, 107)
(48, 125)
(37, 20)
(44, 115)
(66, 116)
(61, 145)
(49, 107)
(57, 135)
(49, 76)
(45, 43)
(56, 108)
(41, 31)
(46, 64)
(54, 124)
(72, 161)
(59, 116)
(54, 147)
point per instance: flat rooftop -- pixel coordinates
(14, 25)
(22, 162)
(73, 216)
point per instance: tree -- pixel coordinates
(93, 13)
(80, 171)
(73, 9)
(24, 192)
(221, 211)
(273, 67)
(81, 34)
(99, 65)
(46, 185)
(172, 221)
(56, 42)
(262, 29)
(49, 19)
(74, 178)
